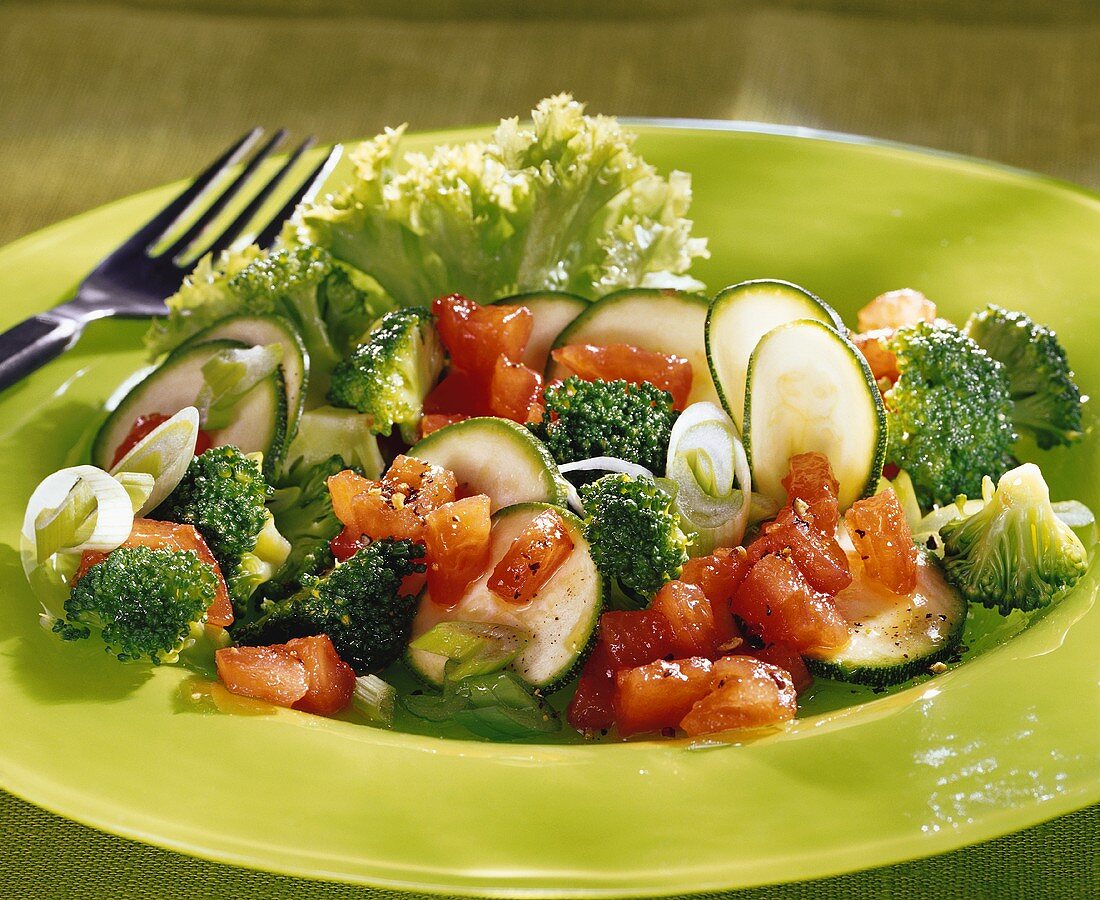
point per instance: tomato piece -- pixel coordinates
(535, 555)
(476, 335)
(425, 487)
(873, 346)
(144, 425)
(263, 673)
(635, 637)
(435, 421)
(623, 362)
(593, 705)
(884, 541)
(820, 559)
(344, 487)
(458, 546)
(790, 660)
(811, 480)
(459, 394)
(659, 694)
(690, 619)
(718, 576)
(331, 680)
(393, 507)
(514, 390)
(895, 309)
(778, 603)
(346, 544)
(747, 693)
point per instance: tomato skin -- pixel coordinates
(457, 541)
(513, 390)
(343, 488)
(659, 694)
(476, 335)
(884, 541)
(747, 693)
(459, 394)
(346, 544)
(789, 660)
(692, 629)
(263, 673)
(434, 421)
(635, 637)
(593, 705)
(627, 363)
(873, 346)
(331, 680)
(535, 555)
(811, 480)
(144, 425)
(718, 576)
(820, 559)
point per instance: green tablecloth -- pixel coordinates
(101, 100)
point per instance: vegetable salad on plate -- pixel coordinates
(472, 420)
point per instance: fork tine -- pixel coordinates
(309, 186)
(196, 228)
(238, 225)
(156, 226)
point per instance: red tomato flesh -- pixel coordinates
(635, 637)
(873, 346)
(810, 479)
(820, 559)
(659, 694)
(623, 362)
(331, 680)
(435, 421)
(263, 673)
(692, 629)
(884, 541)
(144, 425)
(718, 576)
(459, 394)
(457, 545)
(747, 693)
(346, 544)
(535, 555)
(790, 660)
(476, 335)
(593, 705)
(513, 390)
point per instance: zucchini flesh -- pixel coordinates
(742, 314)
(561, 618)
(810, 389)
(551, 313)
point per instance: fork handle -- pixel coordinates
(34, 342)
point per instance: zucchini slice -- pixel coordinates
(895, 638)
(665, 321)
(561, 618)
(808, 388)
(742, 314)
(259, 331)
(498, 458)
(260, 417)
(551, 312)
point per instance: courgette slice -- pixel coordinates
(561, 618)
(809, 389)
(742, 314)
(665, 321)
(497, 458)
(551, 312)
(895, 638)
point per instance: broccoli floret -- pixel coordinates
(634, 531)
(949, 414)
(584, 419)
(389, 375)
(222, 495)
(144, 603)
(1014, 553)
(359, 605)
(1047, 399)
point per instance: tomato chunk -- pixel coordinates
(820, 559)
(331, 680)
(593, 705)
(434, 421)
(659, 694)
(344, 487)
(895, 309)
(790, 660)
(346, 544)
(476, 335)
(459, 394)
(811, 480)
(718, 576)
(623, 362)
(873, 346)
(264, 673)
(690, 619)
(535, 555)
(884, 541)
(747, 693)
(514, 390)
(457, 543)
(635, 637)
(778, 603)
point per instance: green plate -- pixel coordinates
(1001, 742)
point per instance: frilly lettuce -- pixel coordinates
(564, 203)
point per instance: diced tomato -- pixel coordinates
(790, 660)
(593, 705)
(346, 544)
(144, 425)
(820, 559)
(513, 390)
(344, 487)
(458, 545)
(895, 309)
(435, 421)
(884, 541)
(425, 487)
(459, 394)
(623, 362)
(659, 694)
(476, 335)
(718, 576)
(635, 637)
(777, 602)
(873, 346)
(331, 680)
(535, 555)
(264, 673)
(690, 620)
(747, 693)
(811, 480)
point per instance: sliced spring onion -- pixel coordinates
(139, 485)
(598, 464)
(375, 699)
(708, 463)
(497, 706)
(473, 648)
(229, 375)
(165, 453)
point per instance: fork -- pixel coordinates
(132, 282)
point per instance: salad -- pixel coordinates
(472, 425)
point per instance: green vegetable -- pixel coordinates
(389, 375)
(562, 204)
(585, 419)
(472, 648)
(949, 414)
(358, 605)
(228, 376)
(634, 532)
(327, 431)
(1047, 400)
(1014, 553)
(144, 603)
(375, 699)
(498, 706)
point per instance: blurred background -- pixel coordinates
(101, 99)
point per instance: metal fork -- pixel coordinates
(131, 282)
